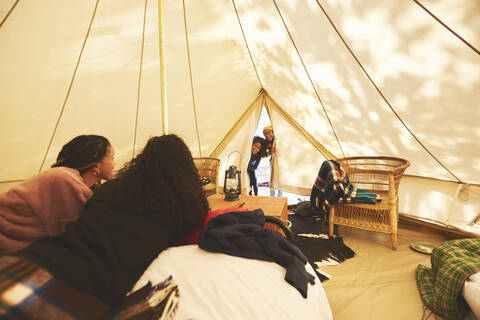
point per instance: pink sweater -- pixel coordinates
(40, 206)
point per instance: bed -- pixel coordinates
(220, 286)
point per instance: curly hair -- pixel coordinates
(263, 144)
(163, 182)
(82, 152)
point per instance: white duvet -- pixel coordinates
(471, 293)
(219, 286)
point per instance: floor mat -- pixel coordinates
(311, 236)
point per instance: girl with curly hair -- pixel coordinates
(258, 150)
(42, 205)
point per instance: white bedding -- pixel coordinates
(471, 293)
(219, 286)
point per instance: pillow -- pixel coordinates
(219, 286)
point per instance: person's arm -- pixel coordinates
(57, 198)
(267, 153)
(256, 163)
(273, 149)
(270, 150)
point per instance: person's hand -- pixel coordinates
(273, 150)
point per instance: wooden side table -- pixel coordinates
(271, 206)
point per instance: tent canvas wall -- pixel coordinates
(339, 78)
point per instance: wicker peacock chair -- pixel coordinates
(381, 175)
(208, 171)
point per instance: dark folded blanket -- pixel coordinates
(242, 234)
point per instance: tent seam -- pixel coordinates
(228, 137)
(309, 137)
(383, 96)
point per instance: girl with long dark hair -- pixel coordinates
(156, 199)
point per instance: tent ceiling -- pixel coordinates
(421, 102)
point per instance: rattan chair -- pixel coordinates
(381, 175)
(208, 168)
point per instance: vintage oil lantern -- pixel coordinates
(232, 186)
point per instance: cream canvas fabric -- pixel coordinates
(74, 67)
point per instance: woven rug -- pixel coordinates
(311, 236)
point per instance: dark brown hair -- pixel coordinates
(163, 182)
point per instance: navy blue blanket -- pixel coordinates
(242, 234)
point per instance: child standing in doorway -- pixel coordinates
(258, 149)
(271, 151)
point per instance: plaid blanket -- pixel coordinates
(30, 292)
(439, 287)
(332, 185)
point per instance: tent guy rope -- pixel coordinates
(447, 27)
(8, 13)
(309, 78)
(383, 96)
(191, 78)
(70, 85)
(139, 78)
(161, 58)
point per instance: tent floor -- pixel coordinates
(379, 283)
